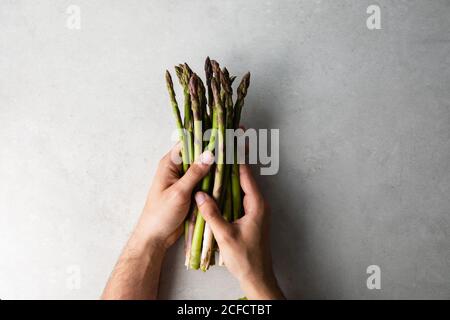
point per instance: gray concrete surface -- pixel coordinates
(365, 139)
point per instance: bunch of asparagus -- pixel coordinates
(209, 108)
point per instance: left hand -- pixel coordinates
(169, 199)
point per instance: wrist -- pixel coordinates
(148, 233)
(149, 242)
(262, 286)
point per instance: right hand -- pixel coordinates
(169, 199)
(244, 244)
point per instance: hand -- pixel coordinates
(169, 199)
(244, 244)
(136, 274)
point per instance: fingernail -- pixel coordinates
(207, 157)
(200, 198)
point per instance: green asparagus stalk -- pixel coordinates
(176, 113)
(196, 246)
(241, 94)
(224, 81)
(208, 239)
(227, 98)
(198, 147)
(226, 199)
(197, 113)
(216, 74)
(228, 206)
(228, 94)
(184, 73)
(201, 91)
(209, 75)
(227, 211)
(236, 191)
(235, 183)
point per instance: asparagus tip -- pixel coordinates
(193, 85)
(215, 66)
(215, 89)
(208, 69)
(188, 69)
(225, 72)
(169, 78)
(247, 79)
(243, 86)
(179, 72)
(225, 80)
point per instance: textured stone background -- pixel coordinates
(365, 139)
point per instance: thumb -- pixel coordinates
(195, 173)
(211, 213)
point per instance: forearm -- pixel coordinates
(136, 274)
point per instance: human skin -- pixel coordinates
(244, 244)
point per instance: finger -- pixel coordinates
(248, 182)
(195, 173)
(175, 155)
(169, 166)
(211, 213)
(253, 200)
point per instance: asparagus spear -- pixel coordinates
(235, 183)
(198, 146)
(184, 73)
(241, 93)
(227, 98)
(197, 113)
(176, 113)
(223, 78)
(216, 74)
(208, 239)
(224, 81)
(209, 75)
(225, 202)
(226, 95)
(227, 210)
(196, 246)
(201, 91)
